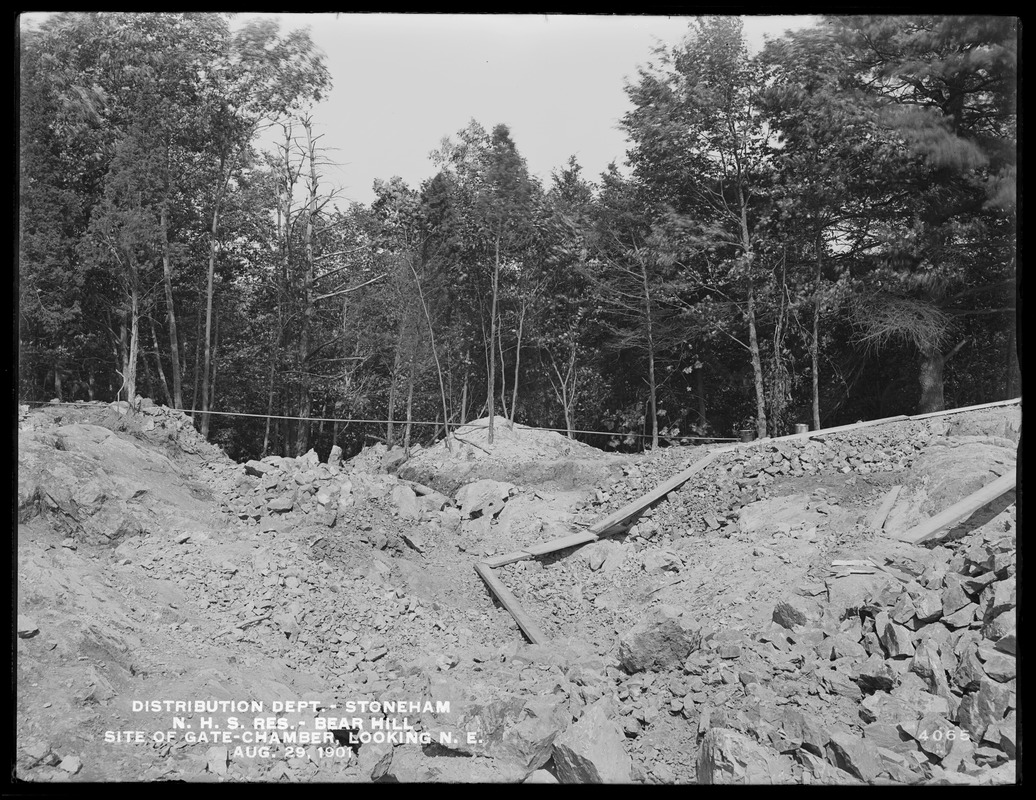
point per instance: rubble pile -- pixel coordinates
(899, 670)
(519, 454)
(711, 500)
(304, 490)
(752, 627)
(167, 428)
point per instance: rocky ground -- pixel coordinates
(723, 638)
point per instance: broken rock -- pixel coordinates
(857, 756)
(591, 751)
(483, 498)
(728, 757)
(796, 611)
(665, 637)
(405, 500)
(281, 504)
(978, 710)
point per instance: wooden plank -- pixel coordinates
(510, 602)
(572, 540)
(507, 558)
(877, 520)
(656, 494)
(792, 437)
(967, 408)
(846, 428)
(931, 527)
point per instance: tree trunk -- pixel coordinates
(931, 380)
(652, 388)
(569, 393)
(699, 377)
(757, 366)
(158, 365)
(490, 402)
(305, 388)
(207, 366)
(269, 408)
(215, 362)
(503, 375)
(409, 408)
(134, 343)
(392, 388)
(464, 401)
(197, 358)
(814, 344)
(174, 341)
(57, 382)
(753, 338)
(517, 361)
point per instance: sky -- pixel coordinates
(402, 82)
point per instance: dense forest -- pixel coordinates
(822, 232)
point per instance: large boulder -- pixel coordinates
(666, 636)
(308, 461)
(405, 500)
(591, 751)
(796, 611)
(483, 498)
(856, 755)
(726, 756)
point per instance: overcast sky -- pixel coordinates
(404, 81)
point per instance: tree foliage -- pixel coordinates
(824, 230)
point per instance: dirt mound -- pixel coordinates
(99, 487)
(167, 428)
(519, 454)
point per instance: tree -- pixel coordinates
(945, 86)
(828, 162)
(256, 78)
(504, 204)
(698, 143)
(564, 310)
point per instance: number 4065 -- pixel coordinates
(939, 734)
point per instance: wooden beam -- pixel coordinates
(929, 530)
(877, 520)
(573, 540)
(656, 494)
(507, 558)
(967, 408)
(510, 602)
(792, 437)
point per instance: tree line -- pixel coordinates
(821, 232)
